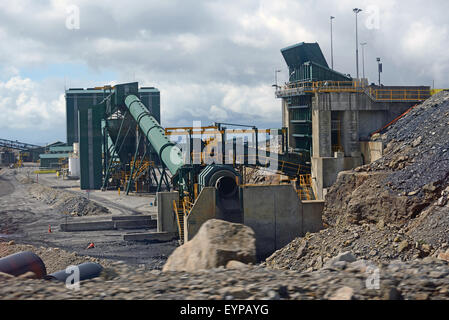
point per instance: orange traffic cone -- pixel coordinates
(49, 228)
(91, 245)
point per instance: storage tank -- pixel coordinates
(74, 167)
(76, 148)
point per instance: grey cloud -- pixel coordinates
(217, 43)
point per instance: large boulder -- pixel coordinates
(216, 243)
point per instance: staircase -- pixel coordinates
(179, 213)
(305, 190)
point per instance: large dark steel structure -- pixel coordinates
(306, 64)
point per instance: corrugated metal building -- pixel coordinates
(76, 97)
(94, 126)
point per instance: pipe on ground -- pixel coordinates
(88, 270)
(21, 263)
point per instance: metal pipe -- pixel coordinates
(226, 186)
(332, 45)
(21, 263)
(169, 153)
(88, 270)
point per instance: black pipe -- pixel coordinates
(88, 270)
(21, 263)
(226, 186)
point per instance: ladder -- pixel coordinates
(305, 191)
(179, 213)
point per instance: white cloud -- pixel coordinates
(210, 59)
(23, 105)
(217, 114)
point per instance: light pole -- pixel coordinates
(332, 45)
(357, 11)
(276, 78)
(379, 66)
(363, 44)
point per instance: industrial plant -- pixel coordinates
(354, 181)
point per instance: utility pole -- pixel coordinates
(357, 11)
(276, 79)
(363, 44)
(332, 45)
(379, 66)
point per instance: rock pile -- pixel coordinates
(66, 202)
(394, 208)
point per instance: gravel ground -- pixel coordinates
(418, 280)
(26, 220)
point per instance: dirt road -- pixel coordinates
(27, 220)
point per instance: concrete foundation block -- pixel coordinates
(87, 226)
(151, 236)
(135, 217)
(135, 224)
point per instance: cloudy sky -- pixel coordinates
(212, 60)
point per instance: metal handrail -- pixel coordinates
(377, 94)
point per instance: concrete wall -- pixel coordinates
(360, 116)
(350, 132)
(166, 219)
(275, 213)
(325, 171)
(372, 115)
(371, 121)
(203, 209)
(321, 133)
(372, 151)
(312, 216)
(277, 216)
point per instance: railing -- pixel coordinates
(399, 94)
(305, 191)
(187, 206)
(283, 167)
(435, 91)
(377, 94)
(179, 219)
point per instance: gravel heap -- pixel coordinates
(55, 259)
(394, 208)
(419, 280)
(65, 202)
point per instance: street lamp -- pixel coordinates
(276, 79)
(357, 11)
(379, 65)
(363, 44)
(332, 45)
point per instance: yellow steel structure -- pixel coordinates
(435, 91)
(305, 191)
(143, 166)
(377, 94)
